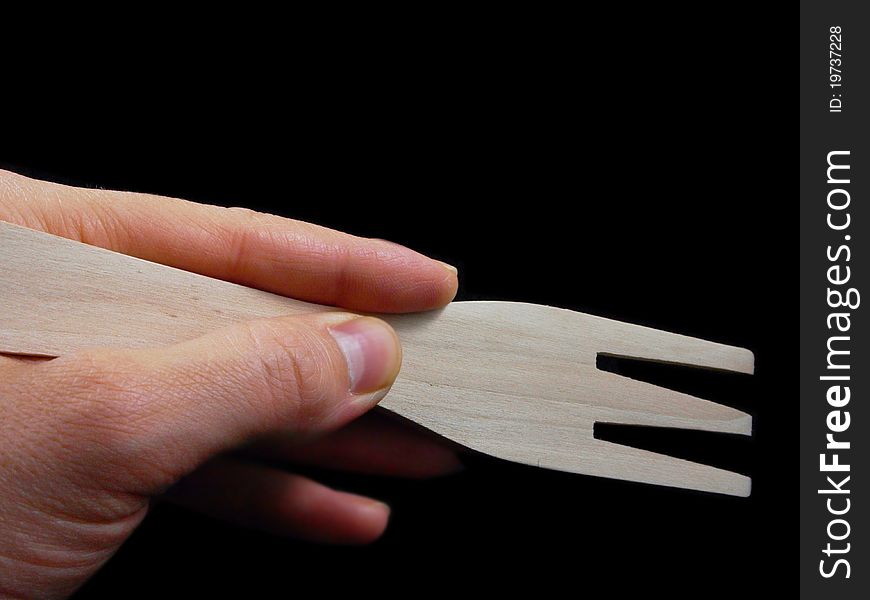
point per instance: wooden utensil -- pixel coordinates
(516, 381)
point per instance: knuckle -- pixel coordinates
(238, 237)
(292, 365)
(98, 221)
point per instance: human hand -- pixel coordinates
(87, 439)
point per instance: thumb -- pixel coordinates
(159, 413)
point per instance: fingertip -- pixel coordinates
(450, 268)
(372, 519)
(449, 286)
(438, 462)
(408, 281)
(429, 286)
(345, 518)
(372, 353)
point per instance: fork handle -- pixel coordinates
(59, 296)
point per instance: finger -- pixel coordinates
(279, 255)
(372, 444)
(280, 503)
(156, 414)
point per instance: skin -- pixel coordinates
(87, 440)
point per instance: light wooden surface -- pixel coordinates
(516, 381)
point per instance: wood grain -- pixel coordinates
(517, 381)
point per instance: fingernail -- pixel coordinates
(377, 505)
(450, 268)
(371, 351)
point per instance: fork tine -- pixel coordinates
(634, 464)
(633, 402)
(637, 341)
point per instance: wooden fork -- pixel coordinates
(513, 380)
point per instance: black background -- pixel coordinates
(629, 172)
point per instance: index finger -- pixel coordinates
(268, 252)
